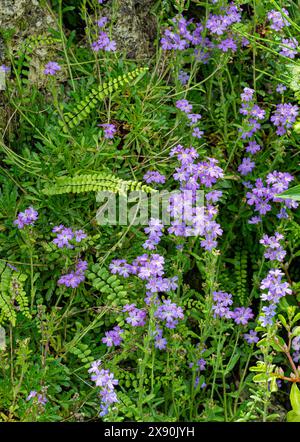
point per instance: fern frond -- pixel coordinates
(85, 106)
(94, 182)
(13, 297)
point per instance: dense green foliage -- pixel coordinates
(56, 156)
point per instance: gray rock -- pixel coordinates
(134, 27)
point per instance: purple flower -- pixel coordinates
(194, 118)
(160, 342)
(218, 24)
(32, 394)
(296, 343)
(274, 286)
(251, 337)
(261, 195)
(247, 95)
(184, 106)
(51, 68)
(274, 250)
(113, 337)
(253, 147)
(136, 317)
(74, 279)
(227, 44)
(277, 20)
(255, 220)
(106, 381)
(214, 196)
(197, 133)
(289, 47)
(242, 315)
(103, 43)
(155, 232)
(246, 166)
(63, 237)
(201, 363)
(154, 177)
(121, 267)
(79, 235)
(102, 22)
(267, 316)
(109, 130)
(221, 302)
(183, 77)
(169, 312)
(57, 229)
(26, 218)
(284, 116)
(4, 68)
(71, 280)
(280, 88)
(81, 266)
(39, 398)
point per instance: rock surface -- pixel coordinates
(134, 27)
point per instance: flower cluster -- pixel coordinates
(253, 113)
(187, 108)
(181, 37)
(262, 195)
(39, 398)
(103, 42)
(221, 309)
(199, 220)
(154, 230)
(169, 312)
(274, 251)
(219, 24)
(277, 20)
(275, 289)
(289, 47)
(205, 36)
(222, 301)
(284, 117)
(26, 218)
(106, 381)
(65, 235)
(113, 337)
(73, 279)
(136, 317)
(152, 176)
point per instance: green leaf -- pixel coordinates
(283, 321)
(296, 318)
(295, 398)
(293, 417)
(293, 193)
(278, 343)
(261, 377)
(296, 331)
(232, 363)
